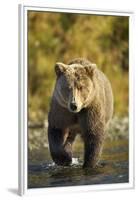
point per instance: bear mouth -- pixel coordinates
(74, 111)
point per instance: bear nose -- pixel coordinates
(73, 106)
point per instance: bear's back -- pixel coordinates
(108, 94)
(81, 61)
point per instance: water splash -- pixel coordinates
(75, 161)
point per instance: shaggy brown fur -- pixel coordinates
(82, 99)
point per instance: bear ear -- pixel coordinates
(60, 68)
(90, 69)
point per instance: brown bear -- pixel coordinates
(82, 103)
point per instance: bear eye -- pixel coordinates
(66, 87)
(77, 78)
(80, 87)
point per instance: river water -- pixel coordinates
(113, 166)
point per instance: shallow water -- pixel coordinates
(112, 168)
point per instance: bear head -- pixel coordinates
(74, 88)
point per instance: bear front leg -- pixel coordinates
(93, 134)
(93, 144)
(61, 154)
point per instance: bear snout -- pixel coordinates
(73, 106)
